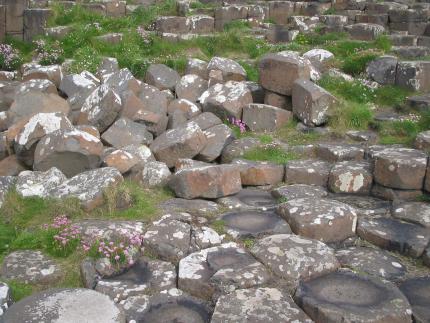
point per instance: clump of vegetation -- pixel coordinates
(271, 152)
(49, 53)
(356, 64)
(10, 57)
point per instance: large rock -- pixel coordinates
(11, 166)
(268, 304)
(72, 152)
(190, 87)
(218, 137)
(309, 171)
(65, 305)
(383, 70)
(279, 71)
(162, 77)
(52, 73)
(125, 132)
(249, 199)
(322, 219)
(415, 212)
(231, 70)
(339, 152)
(6, 184)
(121, 81)
(291, 192)
(311, 103)
(183, 142)
(294, 258)
(348, 297)
(38, 184)
(206, 182)
(414, 75)
(238, 148)
(152, 174)
(364, 31)
(85, 82)
(417, 291)
(263, 117)
(226, 100)
(255, 173)
(351, 177)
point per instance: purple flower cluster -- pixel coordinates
(49, 53)
(65, 234)
(239, 123)
(10, 58)
(144, 35)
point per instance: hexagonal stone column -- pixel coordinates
(417, 291)
(351, 177)
(310, 171)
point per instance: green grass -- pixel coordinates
(352, 91)
(237, 25)
(271, 153)
(349, 115)
(218, 226)
(290, 135)
(19, 290)
(251, 71)
(356, 64)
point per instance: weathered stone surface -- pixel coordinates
(52, 73)
(365, 205)
(417, 291)
(335, 153)
(74, 83)
(310, 172)
(215, 271)
(186, 163)
(413, 75)
(100, 108)
(291, 192)
(388, 193)
(278, 100)
(371, 261)
(263, 117)
(122, 160)
(5, 298)
(194, 207)
(190, 87)
(65, 305)
(401, 168)
(153, 174)
(125, 132)
(238, 148)
(383, 69)
(226, 100)
(72, 152)
(38, 184)
(249, 199)
(44, 86)
(391, 234)
(6, 184)
(218, 137)
(206, 182)
(364, 31)
(268, 304)
(108, 66)
(121, 81)
(183, 142)
(109, 229)
(162, 76)
(11, 166)
(311, 103)
(206, 120)
(231, 70)
(28, 266)
(422, 141)
(351, 177)
(182, 108)
(89, 186)
(415, 212)
(348, 297)
(294, 258)
(257, 173)
(38, 126)
(322, 219)
(279, 71)
(198, 67)
(253, 223)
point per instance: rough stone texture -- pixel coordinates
(6, 184)
(231, 70)
(279, 71)
(194, 207)
(121, 81)
(417, 291)
(89, 186)
(162, 77)
(391, 234)
(335, 153)
(28, 266)
(238, 148)
(413, 75)
(125, 132)
(415, 212)
(226, 100)
(72, 152)
(365, 205)
(206, 182)
(249, 199)
(65, 305)
(310, 172)
(5, 297)
(383, 70)
(153, 174)
(291, 192)
(10, 166)
(183, 142)
(121, 160)
(258, 305)
(348, 297)
(109, 229)
(215, 271)
(74, 83)
(253, 224)
(206, 120)
(422, 141)
(364, 31)
(400, 168)
(257, 173)
(38, 184)
(372, 261)
(263, 117)
(218, 137)
(52, 73)
(311, 103)
(294, 258)
(322, 219)
(351, 177)
(392, 194)
(190, 87)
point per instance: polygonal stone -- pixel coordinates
(413, 75)
(6, 184)
(153, 174)
(206, 182)
(121, 160)
(52, 73)
(44, 86)
(322, 219)
(422, 141)
(100, 108)
(392, 194)
(364, 31)
(291, 192)
(231, 70)
(212, 272)
(74, 83)
(28, 266)
(121, 81)
(263, 117)
(311, 102)
(38, 184)
(72, 152)
(198, 67)
(226, 100)
(253, 223)
(218, 137)
(372, 261)
(365, 205)
(125, 132)
(108, 66)
(162, 77)
(415, 212)
(391, 234)
(249, 199)
(383, 69)
(206, 120)
(318, 57)
(238, 148)
(351, 177)
(109, 229)
(190, 87)
(348, 297)
(310, 172)
(401, 168)
(11, 166)
(183, 142)
(417, 291)
(194, 207)
(259, 173)
(294, 258)
(65, 305)
(268, 304)
(279, 71)
(335, 153)
(186, 163)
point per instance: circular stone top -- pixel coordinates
(343, 296)
(65, 306)
(254, 223)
